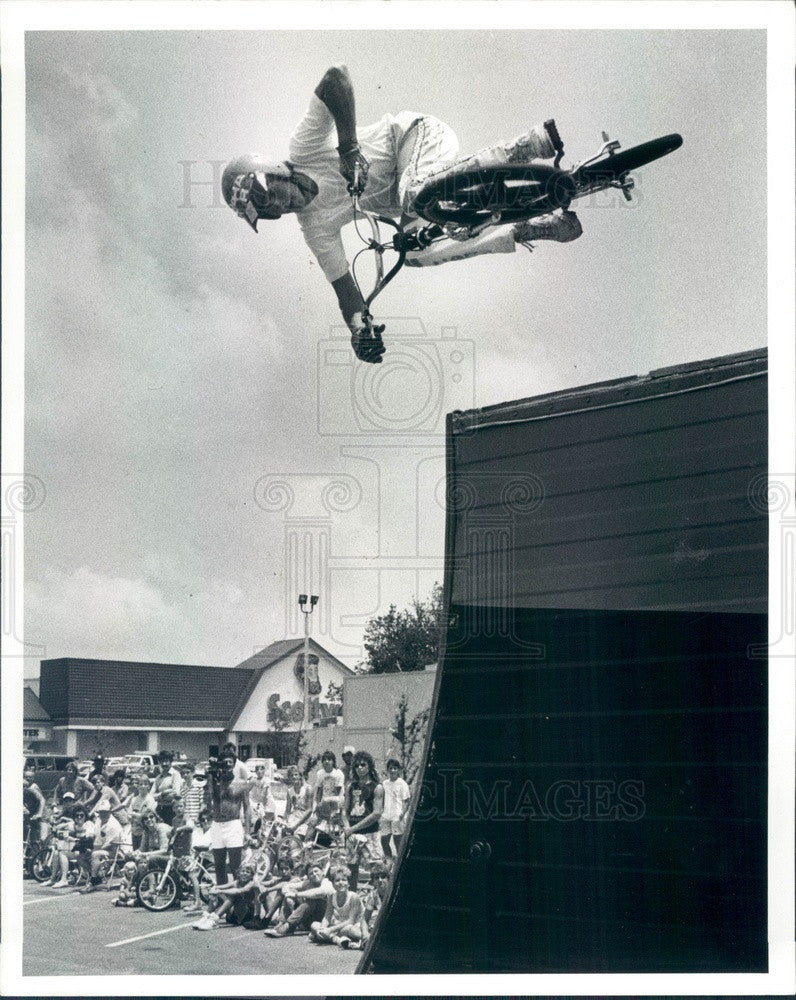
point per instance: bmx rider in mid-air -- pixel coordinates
(388, 162)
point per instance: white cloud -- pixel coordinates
(85, 612)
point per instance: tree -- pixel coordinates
(408, 735)
(404, 640)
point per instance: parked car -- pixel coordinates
(135, 762)
(266, 762)
(48, 769)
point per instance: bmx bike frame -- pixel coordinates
(584, 178)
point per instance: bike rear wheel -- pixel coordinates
(157, 891)
(614, 167)
(498, 194)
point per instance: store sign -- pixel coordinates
(286, 712)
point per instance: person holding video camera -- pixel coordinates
(227, 801)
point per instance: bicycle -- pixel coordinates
(460, 202)
(327, 847)
(32, 846)
(160, 887)
(42, 866)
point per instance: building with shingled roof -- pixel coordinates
(120, 707)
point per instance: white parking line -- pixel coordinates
(141, 937)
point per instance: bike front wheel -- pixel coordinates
(41, 867)
(498, 194)
(157, 891)
(614, 167)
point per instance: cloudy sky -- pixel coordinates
(204, 440)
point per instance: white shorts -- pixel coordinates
(225, 835)
(388, 827)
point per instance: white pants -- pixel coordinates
(434, 150)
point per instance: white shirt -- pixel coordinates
(241, 771)
(108, 834)
(395, 794)
(331, 784)
(313, 150)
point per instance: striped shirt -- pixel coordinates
(193, 798)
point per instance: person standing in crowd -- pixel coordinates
(240, 770)
(363, 809)
(227, 800)
(166, 786)
(33, 806)
(328, 793)
(97, 765)
(107, 794)
(348, 764)
(71, 781)
(193, 792)
(97, 782)
(118, 782)
(298, 806)
(260, 798)
(396, 805)
(142, 801)
(107, 841)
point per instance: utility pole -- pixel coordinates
(303, 601)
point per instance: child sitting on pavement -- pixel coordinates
(342, 923)
(236, 901)
(271, 898)
(304, 902)
(374, 897)
(128, 895)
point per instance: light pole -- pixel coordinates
(303, 600)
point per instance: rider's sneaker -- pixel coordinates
(562, 227)
(63, 884)
(534, 145)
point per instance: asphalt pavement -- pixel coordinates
(66, 934)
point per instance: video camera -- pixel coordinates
(218, 767)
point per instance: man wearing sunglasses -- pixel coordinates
(386, 163)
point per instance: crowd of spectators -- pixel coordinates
(222, 816)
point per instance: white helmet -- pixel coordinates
(244, 185)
